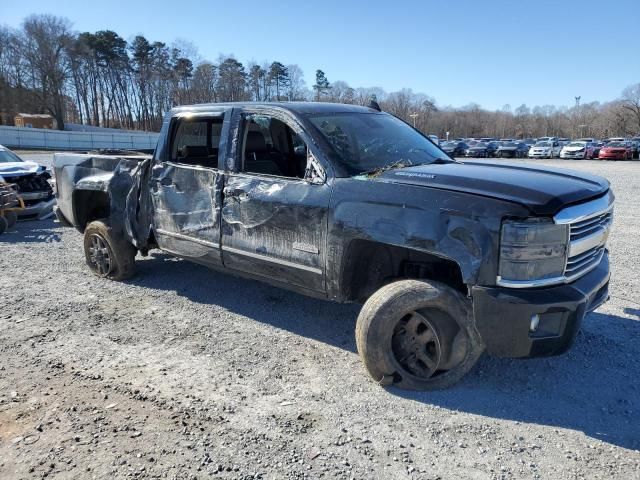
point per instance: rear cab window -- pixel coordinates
(196, 141)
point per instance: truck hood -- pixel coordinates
(18, 169)
(544, 191)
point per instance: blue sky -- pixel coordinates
(490, 52)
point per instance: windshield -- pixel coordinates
(365, 142)
(543, 144)
(7, 156)
(576, 144)
(616, 144)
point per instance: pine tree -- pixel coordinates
(279, 77)
(322, 85)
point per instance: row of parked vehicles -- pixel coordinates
(545, 147)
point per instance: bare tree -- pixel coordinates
(43, 45)
(631, 103)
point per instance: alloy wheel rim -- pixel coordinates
(416, 345)
(99, 255)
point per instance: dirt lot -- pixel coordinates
(185, 373)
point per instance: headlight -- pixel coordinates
(534, 250)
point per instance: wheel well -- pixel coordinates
(89, 205)
(371, 265)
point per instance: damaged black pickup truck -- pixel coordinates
(353, 205)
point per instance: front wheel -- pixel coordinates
(11, 217)
(106, 254)
(417, 335)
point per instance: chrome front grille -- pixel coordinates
(589, 225)
(584, 228)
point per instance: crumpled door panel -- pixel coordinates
(186, 211)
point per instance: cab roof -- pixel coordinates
(302, 108)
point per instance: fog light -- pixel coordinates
(535, 322)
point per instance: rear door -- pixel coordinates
(186, 186)
(275, 204)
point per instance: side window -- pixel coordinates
(197, 142)
(271, 147)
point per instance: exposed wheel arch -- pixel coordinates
(89, 205)
(371, 265)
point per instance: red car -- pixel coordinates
(616, 151)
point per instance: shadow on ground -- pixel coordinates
(32, 231)
(594, 388)
(325, 321)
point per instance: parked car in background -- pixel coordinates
(492, 148)
(480, 150)
(32, 182)
(574, 150)
(434, 139)
(616, 150)
(635, 142)
(545, 149)
(512, 150)
(593, 149)
(454, 149)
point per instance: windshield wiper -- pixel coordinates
(380, 170)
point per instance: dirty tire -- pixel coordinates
(3, 225)
(445, 311)
(107, 255)
(11, 217)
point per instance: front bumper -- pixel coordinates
(38, 205)
(575, 155)
(539, 154)
(503, 315)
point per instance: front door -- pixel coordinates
(186, 189)
(274, 209)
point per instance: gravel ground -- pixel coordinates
(185, 373)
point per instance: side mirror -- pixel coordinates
(314, 172)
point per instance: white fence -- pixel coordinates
(40, 138)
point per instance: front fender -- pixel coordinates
(459, 227)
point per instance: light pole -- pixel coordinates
(577, 112)
(582, 130)
(414, 116)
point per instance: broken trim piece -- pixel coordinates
(187, 237)
(272, 260)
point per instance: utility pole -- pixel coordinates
(414, 116)
(577, 118)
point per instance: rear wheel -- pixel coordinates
(106, 254)
(417, 335)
